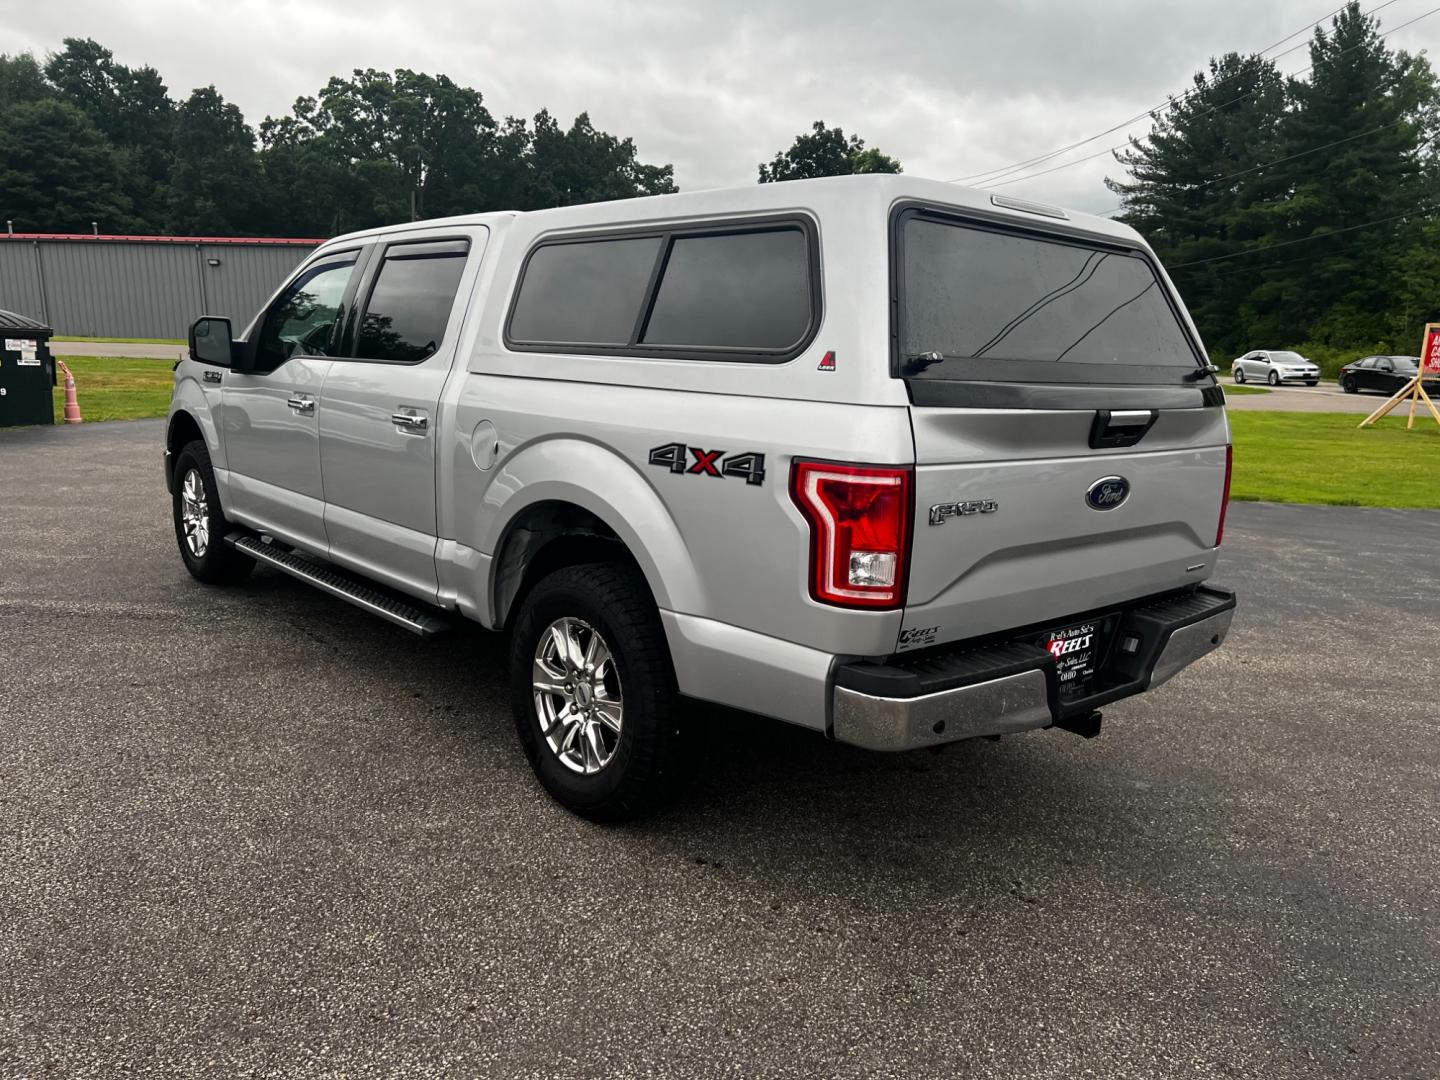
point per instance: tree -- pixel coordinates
(826, 152)
(22, 80)
(585, 165)
(215, 181)
(57, 172)
(131, 108)
(1373, 109)
(1195, 176)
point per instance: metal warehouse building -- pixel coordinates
(140, 286)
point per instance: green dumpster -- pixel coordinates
(27, 371)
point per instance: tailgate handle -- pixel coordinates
(1120, 428)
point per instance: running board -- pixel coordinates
(337, 583)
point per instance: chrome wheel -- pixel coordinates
(195, 514)
(577, 695)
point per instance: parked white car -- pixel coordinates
(1274, 367)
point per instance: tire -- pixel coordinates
(589, 767)
(1348, 385)
(1274, 378)
(1310, 382)
(1238, 374)
(199, 524)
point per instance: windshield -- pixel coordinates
(1288, 358)
(977, 303)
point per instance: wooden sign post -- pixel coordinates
(1414, 390)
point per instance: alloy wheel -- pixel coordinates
(195, 513)
(578, 700)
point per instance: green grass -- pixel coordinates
(1231, 390)
(1325, 458)
(122, 340)
(117, 388)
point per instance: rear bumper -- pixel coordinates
(929, 699)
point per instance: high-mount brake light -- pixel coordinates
(1225, 498)
(859, 518)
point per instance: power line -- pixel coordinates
(996, 181)
(1004, 170)
(1422, 211)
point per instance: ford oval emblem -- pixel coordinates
(1108, 492)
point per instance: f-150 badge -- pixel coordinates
(941, 512)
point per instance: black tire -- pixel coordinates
(1238, 374)
(1274, 378)
(1348, 385)
(216, 562)
(657, 748)
(1312, 382)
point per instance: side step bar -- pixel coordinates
(338, 583)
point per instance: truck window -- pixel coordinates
(732, 292)
(584, 292)
(989, 304)
(410, 302)
(742, 290)
(302, 319)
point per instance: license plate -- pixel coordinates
(1075, 649)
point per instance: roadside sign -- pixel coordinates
(1430, 357)
(1414, 390)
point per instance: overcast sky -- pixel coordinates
(715, 87)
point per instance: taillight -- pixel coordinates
(859, 519)
(1225, 497)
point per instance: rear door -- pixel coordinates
(378, 411)
(1071, 451)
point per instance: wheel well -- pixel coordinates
(544, 538)
(183, 430)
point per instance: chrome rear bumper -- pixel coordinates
(1013, 687)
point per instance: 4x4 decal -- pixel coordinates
(674, 456)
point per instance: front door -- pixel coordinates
(380, 404)
(271, 415)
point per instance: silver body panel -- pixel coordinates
(727, 562)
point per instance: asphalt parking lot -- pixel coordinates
(1327, 397)
(256, 833)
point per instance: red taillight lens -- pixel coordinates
(859, 531)
(1225, 497)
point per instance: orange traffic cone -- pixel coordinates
(72, 406)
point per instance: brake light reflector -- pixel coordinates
(859, 520)
(1225, 498)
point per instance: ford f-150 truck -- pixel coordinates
(894, 460)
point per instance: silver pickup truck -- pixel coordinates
(891, 459)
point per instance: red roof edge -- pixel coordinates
(293, 241)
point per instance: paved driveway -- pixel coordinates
(1327, 397)
(107, 348)
(255, 833)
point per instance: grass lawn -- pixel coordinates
(122, 340)
(1235, 389)
(1325, 458)
(117, 388)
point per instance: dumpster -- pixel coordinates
(27, 371)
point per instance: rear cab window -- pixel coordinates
(746, 291)
(410, 300)
(982, 305)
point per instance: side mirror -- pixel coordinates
(210, 341)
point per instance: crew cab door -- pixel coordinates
(1071, 450)
(380, 406)
(271, 413)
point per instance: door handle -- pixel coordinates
(411, 421)
(305, 406)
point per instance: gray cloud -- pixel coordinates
(714, 87)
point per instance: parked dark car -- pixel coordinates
(1386, 374)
